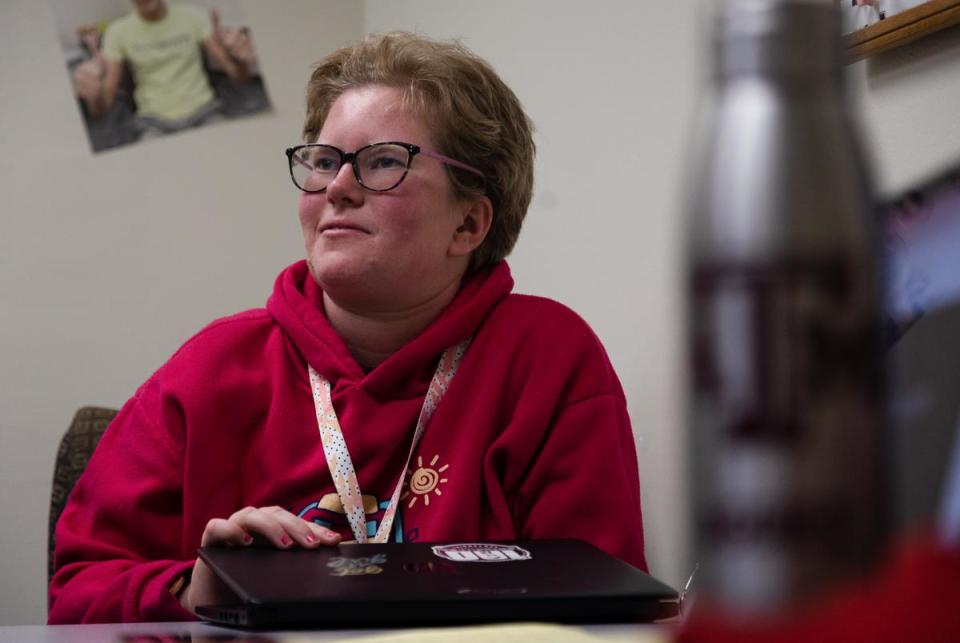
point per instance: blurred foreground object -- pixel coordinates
(788, 437)
(913, 598)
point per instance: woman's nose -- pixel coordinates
(345, 186)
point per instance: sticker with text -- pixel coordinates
(481, 553)
(344, 566)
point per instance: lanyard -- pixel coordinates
(338, 457)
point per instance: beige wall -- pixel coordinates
(910, 99)
(108, 263)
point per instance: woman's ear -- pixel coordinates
(473, 228)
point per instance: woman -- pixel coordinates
(416, 177)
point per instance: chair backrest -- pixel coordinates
(76, 447)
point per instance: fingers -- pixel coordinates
(322, 535)
(274, 525)
(89, 35)
(87, 79)
(237, 42)
(224, 532)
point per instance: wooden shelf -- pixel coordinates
(901, 28)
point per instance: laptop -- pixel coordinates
(567, 581)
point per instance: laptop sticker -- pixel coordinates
(346, 566)
(481, 553)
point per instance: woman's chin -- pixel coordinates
(339, 276)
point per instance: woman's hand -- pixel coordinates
(270, 525)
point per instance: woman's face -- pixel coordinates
(382, 250)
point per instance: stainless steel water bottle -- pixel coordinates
(788, 444)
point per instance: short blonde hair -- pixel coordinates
(474, 118)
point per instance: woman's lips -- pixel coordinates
(340, 229)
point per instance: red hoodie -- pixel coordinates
(532, 440)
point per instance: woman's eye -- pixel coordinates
(325, 164)
(386, 162)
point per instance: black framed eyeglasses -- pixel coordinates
(377, 167)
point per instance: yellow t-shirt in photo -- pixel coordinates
(165, 58)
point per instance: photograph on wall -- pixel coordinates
(142, 69)
(858, 14)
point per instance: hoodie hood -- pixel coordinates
(297, 306)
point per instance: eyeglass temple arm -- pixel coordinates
(300, 161)
(450, 161)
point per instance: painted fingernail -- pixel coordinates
(247, 539)
(310, 538)
(285, 540)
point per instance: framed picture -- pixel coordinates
(875, 26)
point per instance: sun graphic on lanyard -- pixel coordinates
(424, 480)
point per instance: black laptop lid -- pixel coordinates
(557, 580)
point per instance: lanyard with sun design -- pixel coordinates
(338, 457)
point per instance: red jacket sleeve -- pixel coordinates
(584, 482)
(119, 543)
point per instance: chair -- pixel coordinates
(76, 447)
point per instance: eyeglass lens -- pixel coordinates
(379, 167)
